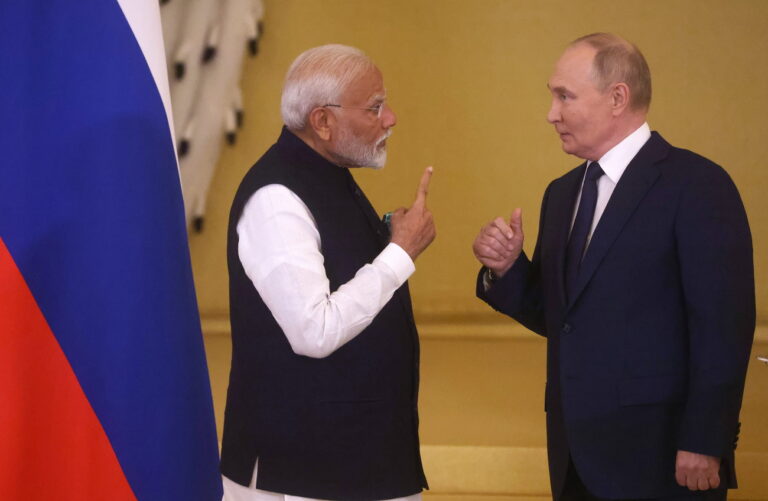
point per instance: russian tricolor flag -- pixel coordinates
(104, 392)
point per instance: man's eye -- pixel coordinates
(563, 97)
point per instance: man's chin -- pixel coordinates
(379, 162)
(349, 156)
(568, 147)
(377, 166)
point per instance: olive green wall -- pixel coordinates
(467, 80)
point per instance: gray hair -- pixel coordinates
(318, 77)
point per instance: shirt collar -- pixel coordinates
(615, 161)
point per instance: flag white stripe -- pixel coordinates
(143, 16)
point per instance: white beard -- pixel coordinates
(354, 153)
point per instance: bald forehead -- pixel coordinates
(578, 56)
(575, 64)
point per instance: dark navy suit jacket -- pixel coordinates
(650, 354)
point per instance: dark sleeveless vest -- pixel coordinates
(344, 427)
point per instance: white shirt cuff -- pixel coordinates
(487, 282)
(396, 259)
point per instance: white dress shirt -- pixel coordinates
(279, 247)
(613, 163)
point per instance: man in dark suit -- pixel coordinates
(642, 281)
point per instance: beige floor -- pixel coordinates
(482, 419)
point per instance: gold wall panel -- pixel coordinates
(467, 80)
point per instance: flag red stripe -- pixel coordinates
(52, 445)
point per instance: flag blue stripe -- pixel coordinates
(91, 210)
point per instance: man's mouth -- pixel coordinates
(382, 143)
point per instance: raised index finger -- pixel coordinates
(421, 193)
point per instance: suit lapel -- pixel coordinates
(640, 175)
(563, 198)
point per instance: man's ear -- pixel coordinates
(619, 98)
(321, 121)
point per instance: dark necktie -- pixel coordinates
(581, 225)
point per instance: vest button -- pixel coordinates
(566, 328)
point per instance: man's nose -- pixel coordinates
(388, 117)
(553, 115)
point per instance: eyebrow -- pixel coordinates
(378, 97)
(558, 89)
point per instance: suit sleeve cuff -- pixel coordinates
(487, 280)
